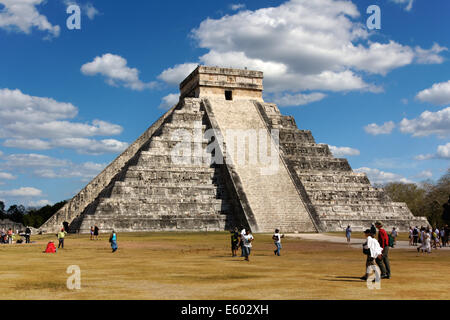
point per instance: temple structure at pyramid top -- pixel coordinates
(222, 157)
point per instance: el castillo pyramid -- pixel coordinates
(200, 168)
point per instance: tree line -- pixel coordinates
(427, 199)
(32, 217)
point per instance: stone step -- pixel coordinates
(312, 150)
(149, 159)
(302, 164)
(295, 135)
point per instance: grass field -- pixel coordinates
(199, 266)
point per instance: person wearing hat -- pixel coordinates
(372, 249)
(383, 262)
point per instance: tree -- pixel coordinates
(2, 210)
(15, 213)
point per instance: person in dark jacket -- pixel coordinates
(27, 235)
(383, 262)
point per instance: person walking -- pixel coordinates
(411, 240)
(92, 232)
(277, 241)
(446, 235)
(394, 235)
(235, 239)
(113, 241)
(61, 235)
(241, 241)
(348, 234)
(372, 249)
(96, 231)
(27, 235)
(416, 236)
(383, 262)
(248, 240)
(10, 236)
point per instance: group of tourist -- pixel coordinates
(10, 237)
(244, 240)
(94, 232)
(429, 238)
(61, 235)
(377, 251)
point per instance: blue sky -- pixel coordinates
(72, 100)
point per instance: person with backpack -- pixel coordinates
(277, 241)
(373, 251)
(383, 261)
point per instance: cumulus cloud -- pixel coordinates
(376, 130)
(428, 123)
(301, 45)
(23, 16)
(169, 101)
(430, 56)
(51, 168)
(178, 73)
(7, 176)
(36, 123)
(438, 94)
(22, 192)
(39, 203)
(427, 174)
(443, 153)
(289, 100)
(344, 151)
(116, 72)
(380, 177)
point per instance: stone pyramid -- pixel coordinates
(222, 157)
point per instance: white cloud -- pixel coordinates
(114, 68)
(380, 177)
(169, 101)
(375, 129)
(344, 151)
(430, 56)
(443, 152)
(427, 174)
(304, 45)
(85, 171)
(23, 16)
(22, 192)
(7, 176)
(438, 94)
(32, 160)
(289, 100)
(178, 73)
(408, 2)
(86, 8)
(237, 6)
(39, 203)
(428, 123)
(36, 123)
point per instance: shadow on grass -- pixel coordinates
(344, 279)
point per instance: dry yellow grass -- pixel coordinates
(199, 266)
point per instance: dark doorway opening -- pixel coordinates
(228, 95)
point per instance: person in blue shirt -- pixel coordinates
(348, 234)
(113, 241)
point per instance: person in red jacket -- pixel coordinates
(383, 263)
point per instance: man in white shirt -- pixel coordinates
(373, 250)
(277, 241)
(247, 245)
